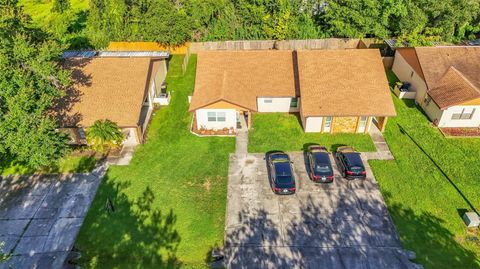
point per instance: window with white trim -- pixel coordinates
(463, 113)
(267, 100)
(214, 116)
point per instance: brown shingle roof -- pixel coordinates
(344, 83)
(453, 89)
(410, 56)
(239, 77)
(105, 88)
(447, 86)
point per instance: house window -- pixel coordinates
(267, 100)
(221, 116)
(214, 116)
(328, 124)
(362, 124)
(294, 102)
(427, 99)
(81, 133)
(463, 114)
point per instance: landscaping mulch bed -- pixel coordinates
(202, 131)
(461, 132)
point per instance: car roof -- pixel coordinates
(321, 157)
(354, 159)
(346, 149)
(283, 169)
(317, 148)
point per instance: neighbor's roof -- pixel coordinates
(410, 56)
(451, 73)
(344, 83)
(105, 88)
(239, 77)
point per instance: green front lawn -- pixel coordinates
(282, 131)
(431, 182)
(169, 203)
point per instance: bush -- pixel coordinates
(104, 135)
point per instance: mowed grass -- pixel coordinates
(431, 182)
(283, 131)
(169, 203)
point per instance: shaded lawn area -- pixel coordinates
(67, 164)
(169, 203)
(283, 131)
(432, 181)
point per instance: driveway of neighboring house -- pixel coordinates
(41, 215)
(345, 224)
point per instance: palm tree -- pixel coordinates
(104, 135)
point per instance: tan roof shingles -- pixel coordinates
(445, 85)
(453, 89)
(344, 83)
(106, 88)
(239, 77)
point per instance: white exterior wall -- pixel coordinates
(279, 104)
(313, 124)
(202, 119)
(446, 118)
(404, 73)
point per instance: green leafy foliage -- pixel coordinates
(60, 5)
(104, 135)
(419, 22)
(30, 82)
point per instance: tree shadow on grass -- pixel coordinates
(130, 234)
(426, 234)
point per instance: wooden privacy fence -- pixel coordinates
(308, 44)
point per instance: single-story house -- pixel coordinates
(120, 87)
(446, 81)
(332, 90)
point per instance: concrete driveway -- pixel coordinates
(344, 224)
(41, 215)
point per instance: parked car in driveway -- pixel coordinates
(281, 178)
(349, 163)
(319, 165)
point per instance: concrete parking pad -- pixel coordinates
(344, 224)
(41, 215)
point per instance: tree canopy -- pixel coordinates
(30, 82)
(174, 22)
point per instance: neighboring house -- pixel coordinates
(446, 81)
(332, 90)
(120, 87)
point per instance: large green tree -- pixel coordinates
(30, 82)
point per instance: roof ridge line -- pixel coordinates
(465, 78)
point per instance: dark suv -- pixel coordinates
(349, 163)
(281, 173)
(319, 164)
